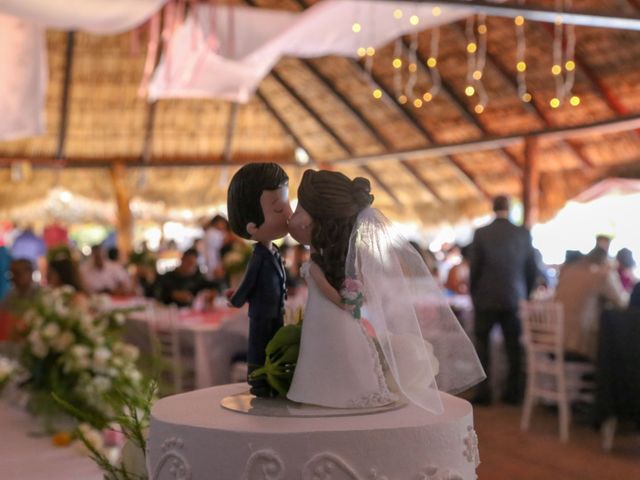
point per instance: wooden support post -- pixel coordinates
(530, 182)
(124, 219)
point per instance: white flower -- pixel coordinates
(100, 358)
(50, 330)
(134, 375)
(64, 341)
(38, 347)
(81, 354)
(92, 436)
(119, 318)
(101, 384)
(7, 367)
(128, 352)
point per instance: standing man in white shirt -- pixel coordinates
(100, 275)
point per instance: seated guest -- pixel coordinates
(585, 287)
(62, 272)
(100, 275)
(626, 264)
(19, 298)
(180, 286)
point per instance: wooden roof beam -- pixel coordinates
(370, 127)
(296, 139)
(231, 127)
(66, 88)
(461, 106)
(408, 114)
(328, 129)
(535, 13)
(627, 123)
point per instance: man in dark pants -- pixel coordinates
(502, 273)
(258, 206)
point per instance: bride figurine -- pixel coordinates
(376, 326)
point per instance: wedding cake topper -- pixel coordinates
(376, 325)
(258, 207)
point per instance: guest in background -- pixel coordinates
(30, 246)
(584, 288)
(62, 271)
(5, 265)
(458, 277)
(214, 238)
(100, 275)
(502, 273)
(180, 286)
(626, 264)
(603, 243)
(23, 291)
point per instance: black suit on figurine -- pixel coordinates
(263, 286)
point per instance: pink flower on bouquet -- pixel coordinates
(352, 285)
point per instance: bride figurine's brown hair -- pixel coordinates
(333, 201)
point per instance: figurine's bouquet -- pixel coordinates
(352, 296)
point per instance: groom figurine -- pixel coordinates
(258, 206)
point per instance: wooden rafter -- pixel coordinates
(296, 139)
(461, 106)
(408, 114)
(416, 174)
(364, 121)
(381, 183)
(530, 107)
(621, 124)
(326, 127)
(148, 131)
(545, 14)
(66, 89)
(231, 127)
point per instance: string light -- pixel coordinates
(570, 65)
(414, 20)
(362, 51)
(555, 102)
(397, 14)
(521, 64)
(417, 103)
(476, 60)
(413, 68)
(427, 97)
(356, 27)
(397, 63)
(556, 69)
(574, 101)
(377, 94)
(564, 43)
(436, 11)
(431, 62)
(402, 99)
(371, 51)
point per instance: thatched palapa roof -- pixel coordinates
(326, 107)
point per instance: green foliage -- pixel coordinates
(281, 358)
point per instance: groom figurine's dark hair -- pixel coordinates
(245, 190)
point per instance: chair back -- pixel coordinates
(162, 322)
(543, 327)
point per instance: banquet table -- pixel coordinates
(27, 457)
(213, 337)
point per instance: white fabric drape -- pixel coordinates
(96, 16)
(223, 53)
(23, 78)
(23, 54)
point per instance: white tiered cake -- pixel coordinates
(193, 438)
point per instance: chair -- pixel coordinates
(162, 322)
(549, 376)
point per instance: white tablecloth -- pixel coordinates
(25, 457)
(213, 345)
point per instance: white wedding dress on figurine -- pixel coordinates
(338, 365)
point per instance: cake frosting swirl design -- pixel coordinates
(193, 438)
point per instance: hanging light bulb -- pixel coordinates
(414, 20)
(469, 91)
(554, 102)
(574, 101)
(397, 14)
(417, 103)
(397, 63)
(479, 109)
(377, 94)
(356, 27)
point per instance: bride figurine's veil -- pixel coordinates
(405, 306)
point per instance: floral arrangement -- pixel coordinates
(352, 296)
(72, 349)
(8, 368)
(236, 260)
